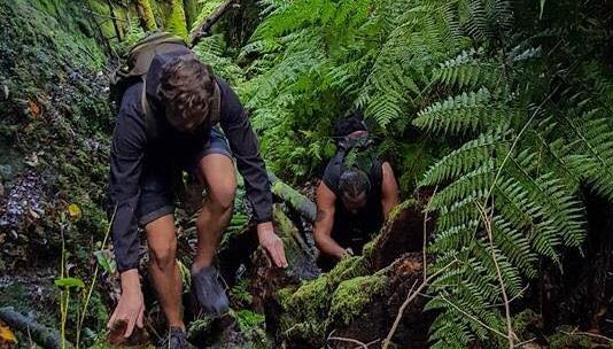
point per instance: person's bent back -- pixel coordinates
(167, 123)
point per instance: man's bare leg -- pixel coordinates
(217, 171)
(164, 269)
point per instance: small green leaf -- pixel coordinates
(106, 261)
(69, 282)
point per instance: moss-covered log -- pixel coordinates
(360, 297)
(266, 279)
(293, 198)
(202, 29)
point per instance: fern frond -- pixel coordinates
(470, 156)
(514, 244)
(593, 158)
(468, 69)
(461, 114)
(474, 184)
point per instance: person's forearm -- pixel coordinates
(388, 205)
(328, 246)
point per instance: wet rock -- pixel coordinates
(23, 199)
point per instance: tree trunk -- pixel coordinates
(118, 30)
(146, 16)
(192, 10)
(175, 21)
(202, 29)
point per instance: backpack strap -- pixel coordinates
(376, 173)
(149, 118)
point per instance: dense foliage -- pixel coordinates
(520, 94)
(501, 108)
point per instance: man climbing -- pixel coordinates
(355, 195)
(166, 124)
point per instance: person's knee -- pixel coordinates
(164, 255)
(221, 198)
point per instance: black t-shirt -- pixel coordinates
(354, 230)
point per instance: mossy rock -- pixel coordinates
(353, 296)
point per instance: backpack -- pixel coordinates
(135, 68)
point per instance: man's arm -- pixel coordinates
(245, 148)
(389, 189)
(126, 164)
(325, 221)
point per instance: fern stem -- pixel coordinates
(488, 228)
(484, 325)
(93, 283)
(425, 236)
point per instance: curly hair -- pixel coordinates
(187, 90)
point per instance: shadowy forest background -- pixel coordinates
(496, 116)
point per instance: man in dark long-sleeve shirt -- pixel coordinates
(173, 130)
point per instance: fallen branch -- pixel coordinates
(347, 340)
(203, 28)
(588, 334)
(292, 197)
(43, 336)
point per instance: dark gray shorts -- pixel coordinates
(158, 180)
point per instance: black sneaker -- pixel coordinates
(175, 339)
(209, 292)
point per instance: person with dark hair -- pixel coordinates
(355, 196)
(167, 123)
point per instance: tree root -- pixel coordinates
(43, 336)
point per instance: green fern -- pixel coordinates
(461, 114)
(467, 70)
(521, 126)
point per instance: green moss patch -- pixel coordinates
(352, 296)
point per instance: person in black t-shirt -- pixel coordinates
(355, 196)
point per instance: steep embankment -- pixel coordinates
(54, 134)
